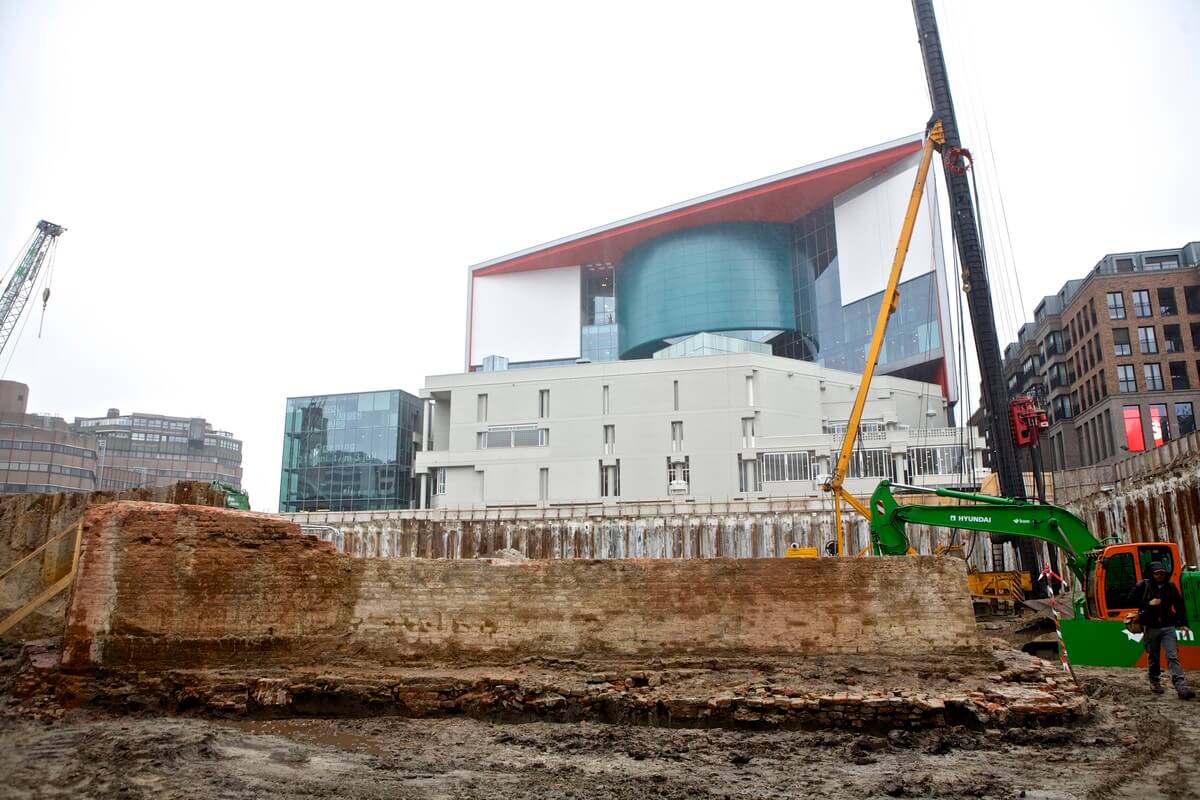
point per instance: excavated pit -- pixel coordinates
(195, 610)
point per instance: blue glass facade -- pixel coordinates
(349, 452)
(727, 277)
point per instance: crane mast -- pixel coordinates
(20, 286)
(1005, 461)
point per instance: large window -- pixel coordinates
(1191, 299)
(1160, 425)
(1185, 417)
(1172, 339)
(610, 479)
(1134, 440)
(1116, 305)
(871, 463)
(1141, 303)
(1166, 302)
(1161, 262)
(1179, 375)
(795, 465)
(598, 333)
(1126, 380)
(1147, 342)
(501, 436)
(1153, 375)
(942, 460)
(1121, 345)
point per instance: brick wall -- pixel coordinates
(182, 586)
(27, 521)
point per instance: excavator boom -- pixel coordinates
(988, 514)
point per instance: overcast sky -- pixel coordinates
(274, 199)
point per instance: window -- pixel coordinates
(1061, 407)
(604, 401)
(675, 391)
(1141, 303)
(679, 474)
(942, 460)
(677, 436)
(544, 484)
(1160, 425)
(1196, 335)
(1121, 342)
(610, 479)
(1124, 265)
(481, 408)
(1166, 302)
(749, 476)
(795, 465)
(1116, 305)
(439, 480)
(750, 390)
(1147, 343)
(870, 463)
(1161, 262)
(747, 431)
(543, 403)
(1134, 441)
(1185, 418)
(610, 439)
(1103, 385)
(1191, 299)
(1153, 375)
(1119, 579)
(1126, 381)
(512, 436)
(1172, 339)
(1092, 309)
(1179, 375)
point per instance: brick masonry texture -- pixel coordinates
(182, 587)
(28, 520)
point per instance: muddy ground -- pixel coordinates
(1136, 745)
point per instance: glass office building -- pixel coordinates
(349, 452)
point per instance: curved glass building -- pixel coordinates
(726, 277)
(797, 262)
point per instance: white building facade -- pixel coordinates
(738, 426)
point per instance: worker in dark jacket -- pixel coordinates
(1161, 611)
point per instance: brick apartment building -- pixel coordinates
(1114, 357)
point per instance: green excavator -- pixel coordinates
(1093, 627)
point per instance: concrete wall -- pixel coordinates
(176, 587)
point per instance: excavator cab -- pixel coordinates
(1114, 571)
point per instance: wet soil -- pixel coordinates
(1135, 745)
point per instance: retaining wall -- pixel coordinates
(163, 586)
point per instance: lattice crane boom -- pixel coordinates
(20, 286)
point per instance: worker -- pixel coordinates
(1161, 611)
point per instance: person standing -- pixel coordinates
(1161, 611)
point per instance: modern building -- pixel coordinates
(161, 449)
(734, 425)
(795, 263)
(1115, 357)
(349, 452)
(43, 454)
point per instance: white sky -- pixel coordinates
(274, 199)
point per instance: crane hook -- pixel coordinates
(45, 300)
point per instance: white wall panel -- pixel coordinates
(526, 316)
(868, 220)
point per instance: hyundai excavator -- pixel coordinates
(1095, 634)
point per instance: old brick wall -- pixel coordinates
(181, 586)
(27, 521)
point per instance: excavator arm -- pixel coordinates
(988, 514)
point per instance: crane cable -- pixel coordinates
(49, 280)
